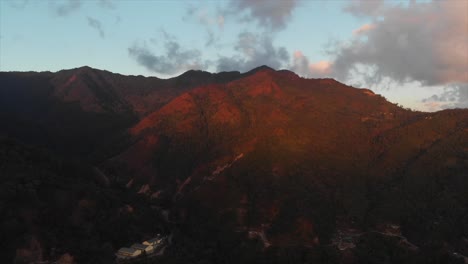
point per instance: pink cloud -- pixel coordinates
(363, 29)
(423, 41)
(302, 66)
(433, 106)
(298, 54)
(321, 68)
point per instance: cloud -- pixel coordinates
(271, 14)
(452, 96)
(364, 7)
(434, 106)
(462, 95)
(211, 38)
(96, 24)
(424, 42)
(67, 7)
(321, 68)
(251, 49)
(203, 17)
(302, 66)
(174, 60)
(209, 21)
(363, 29)
(254, 50)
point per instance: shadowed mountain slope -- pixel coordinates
(261, 166)
(76, 110)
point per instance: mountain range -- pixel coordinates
(257, 167)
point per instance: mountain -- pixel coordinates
(75, 110)
(262, 166)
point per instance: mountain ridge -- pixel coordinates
(232, 156)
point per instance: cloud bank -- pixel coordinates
(174, 59)
(424, 42)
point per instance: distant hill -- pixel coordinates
(255, 165)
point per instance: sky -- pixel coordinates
(415, 53)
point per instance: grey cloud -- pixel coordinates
(174, 60)
(452, 96)
(271, 14)
(363, 7)
(204, 17)
(66, 8)
(254, 50)
(96, 24)
(209, 21)
(300, 64)
(211, 38)
(462, 95)
(424, 42)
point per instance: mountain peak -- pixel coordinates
(193, 73)
(88, 69)
(84, 68)
(261, 68)
(78, 70)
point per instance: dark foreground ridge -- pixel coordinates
(255, 167)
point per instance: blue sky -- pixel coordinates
(362, 43)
